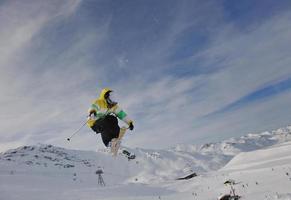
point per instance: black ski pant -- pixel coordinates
(108, 127)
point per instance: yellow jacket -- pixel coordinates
(102, 109)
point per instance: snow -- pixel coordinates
(263, 158)
(260, 164)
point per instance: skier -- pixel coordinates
(103, 115)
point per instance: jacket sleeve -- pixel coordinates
(95, 107)
(91, 119)
(122, 115)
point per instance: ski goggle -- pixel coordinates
(110, 98)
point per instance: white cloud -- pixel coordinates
(246, 62)
(22, 111)
(263, 115)
(250, 60)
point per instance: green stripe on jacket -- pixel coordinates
(94, 107)
(121, 115)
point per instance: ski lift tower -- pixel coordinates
(101, 182)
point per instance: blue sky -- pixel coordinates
(184, 71)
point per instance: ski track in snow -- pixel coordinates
(259, 163)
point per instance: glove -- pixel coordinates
(130, 126)
(92, 112)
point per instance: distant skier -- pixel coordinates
(103, 115)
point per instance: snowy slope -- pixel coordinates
(49, 172)
(268, 172)
(261, 174)
(264, 158)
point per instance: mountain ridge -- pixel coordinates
(178, 161)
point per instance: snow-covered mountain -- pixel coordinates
(31, 171)
(245, 143)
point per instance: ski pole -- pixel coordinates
(69, 138)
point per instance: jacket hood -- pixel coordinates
(103, 92)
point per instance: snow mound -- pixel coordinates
(265, 158)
